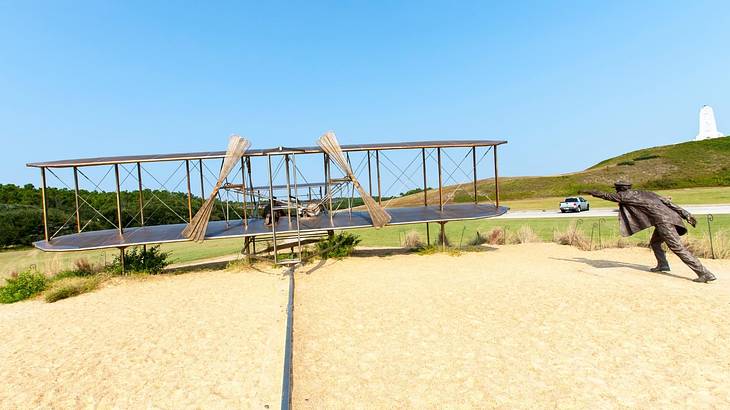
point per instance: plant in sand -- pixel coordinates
(337, 246)
(22, 286)
(524, 235)
(572, 236)
(412, 240)
(702, 248)
(138, 260)
(67, 287)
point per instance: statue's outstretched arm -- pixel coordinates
(603, 195)
(681, 211)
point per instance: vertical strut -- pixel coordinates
(119, 200)
(496, 177)
(377, 170)
(76, 195)
(202, 187)
(43, 203)
(288, 188)
(474, 165)
(190, 194)
(271, 205)
(441, 188)
(243, 191)
(425, 192)
(370, 176)
(141, 195)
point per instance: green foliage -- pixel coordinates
(21, 220)
(139, 260)
(414, 191)
(68, 287)
(337, 246)
(82, 268)
(644, 157)
(22, 286)
(626, 163)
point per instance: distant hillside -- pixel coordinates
(690, 164)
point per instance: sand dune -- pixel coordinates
(212, 339)
(526, 326)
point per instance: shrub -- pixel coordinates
(442, 238)
(524, 235)
(572, 236)
(337, 246)
(65, 288)
(646, 156)
(427, 249)
(412, 240)
(23, 286)
(139, 260)
(82, 267)
(624, 163)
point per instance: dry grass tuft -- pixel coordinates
(524, 235)
(572, 236)
(68, 287)
(702, 248)
(412, 240)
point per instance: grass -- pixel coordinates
(18, 260)
(72, 286)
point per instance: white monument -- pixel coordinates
(708, 126)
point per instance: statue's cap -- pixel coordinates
(622, 183)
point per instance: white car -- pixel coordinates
(574, 204)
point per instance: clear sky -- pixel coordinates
(566, 83)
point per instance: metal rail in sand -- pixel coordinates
(286, 384)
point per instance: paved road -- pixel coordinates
(608, 212)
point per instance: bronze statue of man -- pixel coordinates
(639, 210)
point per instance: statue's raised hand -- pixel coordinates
(692, 221)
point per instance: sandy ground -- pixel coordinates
(208, 339)
(526, 326)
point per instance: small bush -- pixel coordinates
(572, 236)
(443, 239)
(412, 240)
(82, 268)
(626, 163)
(337, 246)
(65, 288)
(646, 156)
(139, 260)
(427, 250)
(524, 235)
(22, 286)
(479, 239)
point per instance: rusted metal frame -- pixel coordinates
(474, 166)
(351, 197)
(296, 204)
(271, 205)
(254, 203)
(43, 202)
(370, 176)
(141, 194)
(496, 178)
(119, 200)
(288, 188)
(441, 188)
(328, 188)
(377, 171)
(202, 183)
(76, 196)
(425, 192)
(190, 193)
(243, 192)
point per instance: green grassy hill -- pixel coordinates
(685, 165)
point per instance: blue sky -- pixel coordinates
(566, 83)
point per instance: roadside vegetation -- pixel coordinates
(83, 277)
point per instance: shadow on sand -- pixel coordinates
(606, 264)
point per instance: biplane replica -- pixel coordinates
(286, 210)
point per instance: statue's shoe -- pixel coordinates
(704, 278)
(660, 269)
